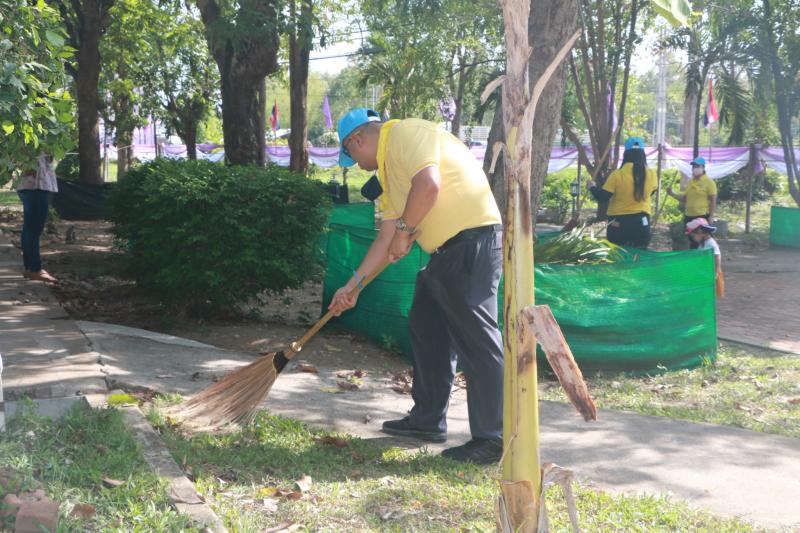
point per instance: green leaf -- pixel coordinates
(676, 12)
(8, 127)
(54, 38)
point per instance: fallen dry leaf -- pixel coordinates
(460, 380)
(111, 483)
(332, 441)
(402, 388)
(308, 368)
(332, 348)
(359, 373)
(330, 390)
(83, 511)
(304, 483)
(355, 474)
(289, 494)
(357, 456)
(348, 385)
(794, 401)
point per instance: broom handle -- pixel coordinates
(298, 345)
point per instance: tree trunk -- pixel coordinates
(243, 107)
(299, 50)
(696, 139)
(782, 103)
(635, 5)
(87, 77)
(244, 60)
(521, 474)
(497, 179)
(552, 22)
(458, 97)
(518, 505)
(689, 109)
(124, 139)
(190, 138)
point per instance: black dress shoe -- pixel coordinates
(478, 451)
(403, 428)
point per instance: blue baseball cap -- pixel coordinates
(347, 124)
(634, 142)
(699, 162)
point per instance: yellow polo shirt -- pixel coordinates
(620, 184)
(698, 195)
(465, 200)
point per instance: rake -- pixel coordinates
(235, 398)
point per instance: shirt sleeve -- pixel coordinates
(715, 246)
(611, 183)
(712, 187)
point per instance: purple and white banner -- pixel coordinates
(720, 162)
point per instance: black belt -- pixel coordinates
(471, 232)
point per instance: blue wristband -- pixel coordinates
(359, 280)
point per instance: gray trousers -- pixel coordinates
(454, 316)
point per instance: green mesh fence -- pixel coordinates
(784, 226)
(655, 310)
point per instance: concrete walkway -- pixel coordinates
(728, 471)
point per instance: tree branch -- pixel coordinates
(582, 104)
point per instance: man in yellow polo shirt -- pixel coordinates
(700, 196)
(431, 189)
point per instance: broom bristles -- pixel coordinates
(232, 400)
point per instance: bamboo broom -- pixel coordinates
(235, 398)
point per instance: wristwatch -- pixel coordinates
(401, 225)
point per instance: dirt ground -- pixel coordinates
(94, 287)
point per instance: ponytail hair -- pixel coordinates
(636, 156)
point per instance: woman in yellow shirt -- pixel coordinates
(627, 191)
(700, 196)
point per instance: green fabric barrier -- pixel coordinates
(650, 312)
(784, 226)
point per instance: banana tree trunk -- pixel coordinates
(521, 482)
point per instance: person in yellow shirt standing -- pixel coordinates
(627, 191)
(700, 196)
(431, 189)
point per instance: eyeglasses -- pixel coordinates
(345, 151)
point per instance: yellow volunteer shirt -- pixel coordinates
(620, 184)
(698, 195)
(465, 199)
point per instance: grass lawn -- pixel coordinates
(361, 485)
(9, 198)
(70, 458)
(746, 387)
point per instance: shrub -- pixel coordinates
(556, 193)
(210, 236)
(734, 189)
(69, 168)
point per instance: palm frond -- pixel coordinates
(578, 246)
(736, 105)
